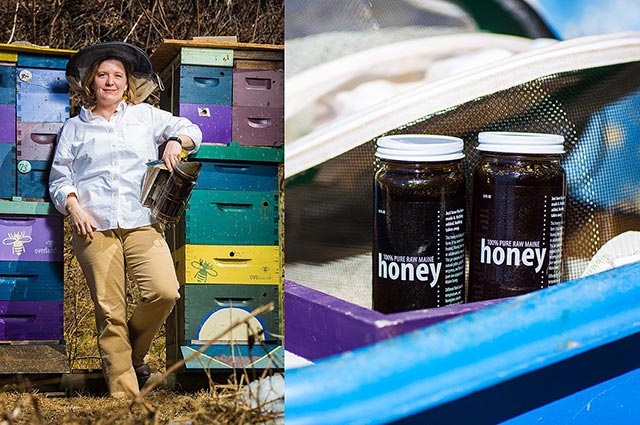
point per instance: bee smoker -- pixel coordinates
(168, 197)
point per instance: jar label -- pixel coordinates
(418, 255)
(517, 241)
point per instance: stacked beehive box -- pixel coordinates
(34, 103)
(227, 246)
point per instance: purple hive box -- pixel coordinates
(213, 120)
(31, 238)
(37, 141)
(31, 320)
(254, 126)
(263, 89)
(319, 325)
(7, 123)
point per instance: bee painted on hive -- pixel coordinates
(17, 241)
(204, 270)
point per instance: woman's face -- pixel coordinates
(110, 82)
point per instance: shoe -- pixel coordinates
(143, 373)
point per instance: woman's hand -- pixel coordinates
(171, 155)
(81, 222)
(173, 150)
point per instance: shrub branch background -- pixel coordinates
(73, 24)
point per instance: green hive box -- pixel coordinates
(224, 217)
(236, 152)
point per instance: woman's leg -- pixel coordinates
(102, 263)
(150, 265)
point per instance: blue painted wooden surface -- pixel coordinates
(7, 84)
(612, 401)
(8, 170)
(42, 61)
(237, 175)
(42, 95)
(204, 84)
(31, 281)
(488, 366)
(34, 184)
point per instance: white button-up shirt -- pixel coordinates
(103, 162)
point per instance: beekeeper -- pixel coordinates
(96, 179)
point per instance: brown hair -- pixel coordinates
(87, 83)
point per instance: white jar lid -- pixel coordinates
(513, 142)
(420, 148)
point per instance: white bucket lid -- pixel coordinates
(514, 142)
(420, 148)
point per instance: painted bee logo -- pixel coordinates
(17, 241)
(204, 270)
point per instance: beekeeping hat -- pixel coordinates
(146, 80)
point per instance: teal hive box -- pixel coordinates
(33, 179)
(225, 217)
(8, 170)
(7, 84)
(235, 152)
(237, 175)
(31, 281)
(42, 61)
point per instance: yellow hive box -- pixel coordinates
(229, 264)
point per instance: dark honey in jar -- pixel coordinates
(419, 223)
(519, 192)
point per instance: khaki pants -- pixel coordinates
(123, 344)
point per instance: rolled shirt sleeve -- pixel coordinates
(167, 125)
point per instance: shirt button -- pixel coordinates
(110, 130)
(114, 178)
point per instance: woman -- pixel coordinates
(96, 179)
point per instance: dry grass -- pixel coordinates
(218, 406)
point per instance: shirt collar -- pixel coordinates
(87, 116)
